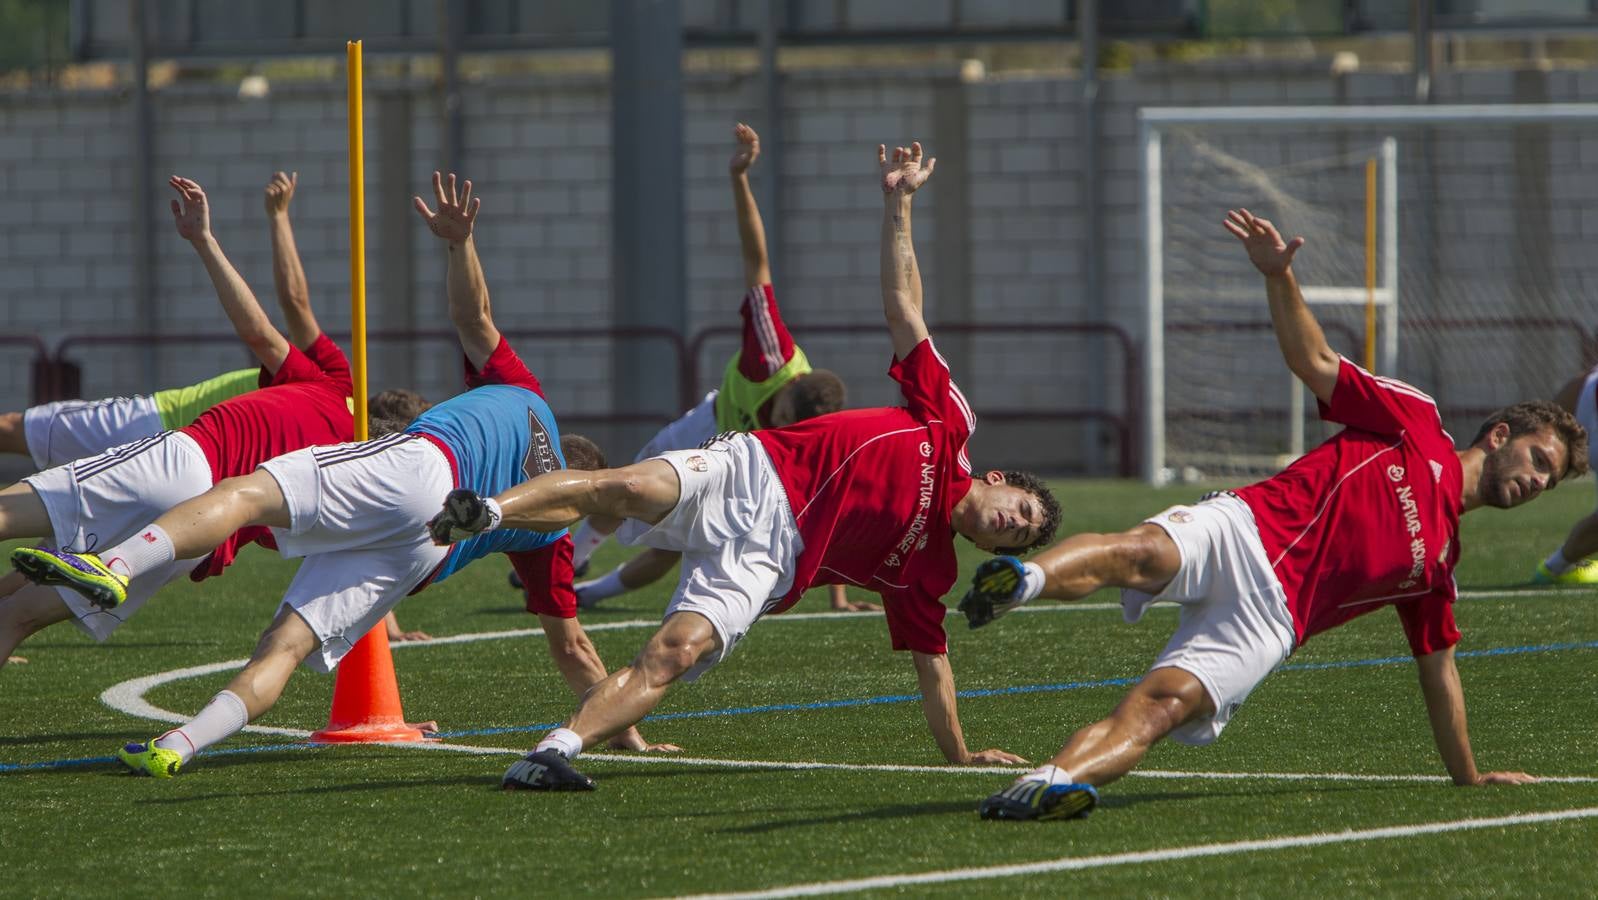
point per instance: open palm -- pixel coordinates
(1266, 249)
(193, 214)
(904, 173)
(748, 148)
(456, 212)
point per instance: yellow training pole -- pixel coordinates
(1370, 265)
(357, 235)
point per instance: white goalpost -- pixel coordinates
(1215, 393)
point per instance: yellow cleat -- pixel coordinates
(1584, 572)
(82, 572)
(148, 759)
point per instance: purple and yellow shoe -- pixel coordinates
(82, 572)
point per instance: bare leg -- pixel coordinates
(1582, 541)
(1104, 751)
(22, 514)
(197, 525)
(26, 612)
(550, 502)
(285, 644)
(13, 434)
(579, 663)
(629, 693)
(647, 568)
(1144, 559)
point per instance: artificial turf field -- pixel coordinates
(271, 817)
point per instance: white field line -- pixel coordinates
(1193, 851)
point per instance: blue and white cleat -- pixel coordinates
(995, 590)
(1030, 799)
(82, 572)
(148, 759)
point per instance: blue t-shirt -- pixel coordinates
(499, 435)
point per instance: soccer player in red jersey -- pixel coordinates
(1366, 520)
(869, 497)
(98, 501)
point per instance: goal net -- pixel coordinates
(1444, 247)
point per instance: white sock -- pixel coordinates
(584, 542)
(1031, 581)
(1557, 563)
(149, 548)
(608, 585)
(494, 513)
(222, 718)
(563, 740)
(1049, 774)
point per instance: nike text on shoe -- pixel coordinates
(1035, 799)
(545, 770)
(82, 572)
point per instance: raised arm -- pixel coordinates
(751, 231)
(1303, 344)
(468, 293)
(288, 276)
(1445, 706)
(901, 277)
(938, 705)
(193, 218)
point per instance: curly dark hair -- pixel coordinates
(817, 393)
(1034, 485)
(581, 453)
(1535, 415)
(392, 411)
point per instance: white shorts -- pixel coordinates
(358, 514)
(101, 501)
(1587, 416)
(737, 536)
(1235, 625)
(689, 431)
(72, 429)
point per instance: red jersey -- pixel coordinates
(301, 404)
(767, 345)
(872, 491)
(1369, 518)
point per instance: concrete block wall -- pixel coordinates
(540, 153)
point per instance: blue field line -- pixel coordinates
(846, 704)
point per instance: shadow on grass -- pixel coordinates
(486, 782)
(110, 738)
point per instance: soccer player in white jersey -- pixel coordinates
(768, 383)
(868, 497)
(1368, 519)
(356, 513)
(1569, 564)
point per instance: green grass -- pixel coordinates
(379, 821)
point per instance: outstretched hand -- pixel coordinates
(904, 174)
(456, 213)
(1266, 249)
(1486, 778)
(193, 215)
(279, 191)
(748, 148)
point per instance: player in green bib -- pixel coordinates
(767, 383)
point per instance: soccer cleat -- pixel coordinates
(464, 516)
(995, 590)
(545, 770)
(1032, 799)
(148, 759)
(1584, 572)
(82, 572)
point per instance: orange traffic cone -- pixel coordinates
(366, 701)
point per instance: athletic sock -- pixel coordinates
(584, 543)
(222, 718)
(563, 741)
(149, 548)
(1049, 774)
(603, 587)
(1557, 563)
(1031, 581)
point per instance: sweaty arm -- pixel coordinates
(938, 705)
(468, 303)
(901, 277)
(250, 322)
(1445, 707)
(288, 277)
(751, 231)
(1299, 336)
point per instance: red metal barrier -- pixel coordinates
(1122, 424)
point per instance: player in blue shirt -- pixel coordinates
(356, 513)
